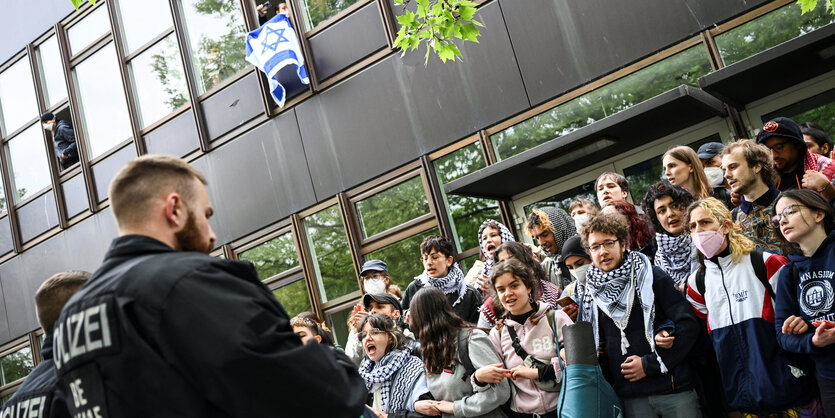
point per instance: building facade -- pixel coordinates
(379, 150)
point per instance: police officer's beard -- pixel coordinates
(189, 238)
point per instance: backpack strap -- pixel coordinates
(700, 282)
(759, 269)
(464, 355)
(517, 345)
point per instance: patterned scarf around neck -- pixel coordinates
(562, 226)
(675, 255)
(506, 237)
(614, 294)
(394, 394)
(454, 281)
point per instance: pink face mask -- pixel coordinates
(708, 242)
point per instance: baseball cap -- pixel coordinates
(380, 298)
(376, 265)
(710, 150)
(782, 127)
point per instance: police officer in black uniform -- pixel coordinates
(37, 396)
(164, 330)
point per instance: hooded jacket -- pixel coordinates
(38, 396)
(805, 289)
(740, 315)
(164, 333)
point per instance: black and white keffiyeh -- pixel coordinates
(452, 282)
(506, 237)
(562, 226)
(614, 294)
(396, 372)
(675, 256)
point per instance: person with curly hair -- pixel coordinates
(665, 205)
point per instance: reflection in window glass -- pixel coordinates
(158, 80)
(16, 365)
(216, 35)
(683, 68)
(563, 199)
(28, 164)
(467, 263)
(769, 30)
(339, 324)
(332, 262)
(92, 27)
(17, 97)
(403, 258)
(273, 257)
(316, 11)
(142, 21)
(102, 101)
(293, 297)
(52, 72)
(466, 213)
(392, 207)
(822, 115)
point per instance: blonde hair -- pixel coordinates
(139, 182)
(685, 154)
(739, 244)
(540, 218)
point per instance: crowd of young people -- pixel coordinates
(715, 297)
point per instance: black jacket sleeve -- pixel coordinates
(671, 305)
(244, 357)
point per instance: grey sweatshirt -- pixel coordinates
(470, 400)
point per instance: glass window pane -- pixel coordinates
(28, 164)
(293, 297)
(392, 207)
(769, 30)
(102, 101)
(216, 35)
(466, 213)
(273, 257)
(52, 72)
(142, 21)
(332, 261)
(88, 29)
(159, 81)
(563, 199)
(339, 324)
(823, 115)
(683, 68)
(16, 365)
(316, 11)
(403, 258)
(17, 96)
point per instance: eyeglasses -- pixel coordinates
(433, 257)
(374, 332)
(608, 244)
(778, 147)
(787, 213)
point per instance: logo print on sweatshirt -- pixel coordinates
(741, 296)
(771, 126)
(816, 297)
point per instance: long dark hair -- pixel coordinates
(384, 323)
(661, 189)
(811, 200)
(436, 326)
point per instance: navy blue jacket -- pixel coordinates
(64, 138)
(670, 305)
(38, 396)
(808, 294)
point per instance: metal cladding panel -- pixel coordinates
(37, 217)
(6, 244)
(104, 170)
(23, 21)
(233, 106)
(81, 247)
(398, 109)
(257, 179)
(348, 41)
(75, 195)
(563, 44)
(177, 137)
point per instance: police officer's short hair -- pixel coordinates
(145, 178)
(54, 293)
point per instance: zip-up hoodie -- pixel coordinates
(808, 294)
(756, 373)
(537, 338)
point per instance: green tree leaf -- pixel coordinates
(469, 32)
(441, 24)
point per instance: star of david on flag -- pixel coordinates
(272, 47)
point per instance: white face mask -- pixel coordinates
(579, 273)
(715, 176)
(47, 126)
(375, 286)
(580, 220)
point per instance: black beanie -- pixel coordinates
(574, 246)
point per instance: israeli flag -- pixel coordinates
(272, 47)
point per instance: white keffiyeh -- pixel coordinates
(675, 255)
(506, 237)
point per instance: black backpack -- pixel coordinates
(759, 269)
